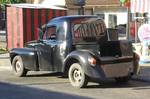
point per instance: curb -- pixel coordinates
(4, 62)
(5, 55)
(4, 68)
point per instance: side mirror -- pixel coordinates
(40, 34)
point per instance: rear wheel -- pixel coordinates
(77, 76)
(18, 67)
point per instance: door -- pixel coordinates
(45, 50)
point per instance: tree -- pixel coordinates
(3, 2)
(11, 1)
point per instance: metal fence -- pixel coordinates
(2, 24)
(2, 18)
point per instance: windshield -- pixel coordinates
(88, 29)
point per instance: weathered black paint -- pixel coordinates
(28, 55)
(54, 55)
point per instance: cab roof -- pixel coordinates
(71, 17)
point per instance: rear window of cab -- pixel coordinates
(88, 28)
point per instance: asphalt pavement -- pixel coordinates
(144, 74)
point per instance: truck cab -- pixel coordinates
(79, 47)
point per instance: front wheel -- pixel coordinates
(77, 76)
(18, 67)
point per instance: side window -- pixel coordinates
(61, 30)
(51, 32)
(56, 31)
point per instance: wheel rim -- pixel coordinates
(18, 66)
(77, 76)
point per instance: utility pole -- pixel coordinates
(81, 4)
(128, 24)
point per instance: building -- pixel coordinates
(110, 10)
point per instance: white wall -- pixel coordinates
(121, 18)
(54, 2)
(121, 14)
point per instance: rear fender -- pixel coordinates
(82, 58)
(28, 56)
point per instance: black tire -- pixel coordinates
(77, 76)
(123, 79)
(18, 67)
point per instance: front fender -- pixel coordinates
(82, 58)
(28, 55)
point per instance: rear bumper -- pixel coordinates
(117, 70)
(111, 67)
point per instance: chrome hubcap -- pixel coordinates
(77, 76)
(18, 66)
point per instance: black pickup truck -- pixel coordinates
(78, 47)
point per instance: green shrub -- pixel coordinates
(3, 50)
(11, 1)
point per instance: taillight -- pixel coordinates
(92, 61)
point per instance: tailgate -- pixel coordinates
(114, 60)
(117, 67)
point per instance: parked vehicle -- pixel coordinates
(77, 46)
